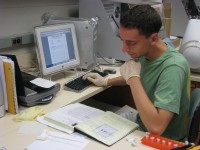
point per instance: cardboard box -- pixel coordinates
(176, 42)
(167, 10)
(167, 22)
(167, 18)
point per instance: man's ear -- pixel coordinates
(154, 38)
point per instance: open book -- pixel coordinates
(106, 127)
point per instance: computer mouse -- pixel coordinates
(109, 71)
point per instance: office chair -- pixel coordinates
(194, 117)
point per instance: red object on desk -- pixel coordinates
(160, 142)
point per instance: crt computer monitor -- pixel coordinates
(57, 48)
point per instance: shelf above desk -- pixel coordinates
(195, 77)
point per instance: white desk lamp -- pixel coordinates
(190, 45)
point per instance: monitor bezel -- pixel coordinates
(40, 51)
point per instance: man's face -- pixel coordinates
(134, 44)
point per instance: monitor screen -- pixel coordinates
(57, 48)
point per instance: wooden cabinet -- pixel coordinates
(195, 84)
(197, 142)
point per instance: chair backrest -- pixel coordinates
(194, 115)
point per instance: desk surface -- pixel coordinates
(13, 140)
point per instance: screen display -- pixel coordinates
(57, 47)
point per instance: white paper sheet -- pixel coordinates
(57, 141)
(43, 82)
(128, 113)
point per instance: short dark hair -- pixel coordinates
(142, 17)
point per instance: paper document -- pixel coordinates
(49, 140)
(128, 113)
(43, 82)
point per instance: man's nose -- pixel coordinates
(125, 48)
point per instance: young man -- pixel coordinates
(158, 76)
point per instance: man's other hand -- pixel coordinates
(130, 69)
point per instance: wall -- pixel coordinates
(18, 17)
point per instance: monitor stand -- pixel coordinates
(72, 73)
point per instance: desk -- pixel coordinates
(12, 140)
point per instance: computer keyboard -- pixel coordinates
(78, 84)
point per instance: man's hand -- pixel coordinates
(95, 78)
(130, 69)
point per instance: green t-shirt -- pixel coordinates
(166, 81)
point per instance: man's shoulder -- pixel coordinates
(176, 58)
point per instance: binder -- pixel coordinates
(10, 86)
(3, 82)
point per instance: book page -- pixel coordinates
(107, 128)
(72, 114)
